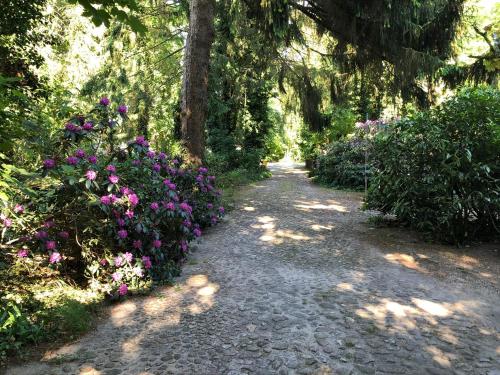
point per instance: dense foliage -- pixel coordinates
(439, 170)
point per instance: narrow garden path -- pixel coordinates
(297, 282)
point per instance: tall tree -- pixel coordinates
(195, 81)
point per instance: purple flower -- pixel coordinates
(49, 224)
(117, 276)
(92, 159)
(157, 167)
(23, 253)
(129, 257)
(162, 155)
(133, 199)
(123, 289)
(72, 127)
(49, 163)
(41, 234)
(50, 245)
(106, 200)
(185, 207)
(91, 175)
(114, 179)
(170, 206)
(88, 126)
(72, 160)
(154, 206)
(80, 153)
(221, 209)
(175, 161)
(103, 262)
(184, 246)
(140, 140)
(63, 234)
(7, 222)
(136, 162)
(210, 206)
(111, 168)
(137, 244)
(122, 109)
(118, 261)
(151, 154)
(18, 209)
(197, 232)
(55, 257)
(157, 244)
(104, 101)
(203, 170)
(147, 262)
(214, 220)
(122, 233)
(121, 222)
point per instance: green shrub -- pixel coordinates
(344, 164)
(439, 171)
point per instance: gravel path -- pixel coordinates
(297, 282)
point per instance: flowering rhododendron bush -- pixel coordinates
(345, 163)
(114, 216)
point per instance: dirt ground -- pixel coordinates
(296, 281)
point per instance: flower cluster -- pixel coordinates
(128, 216)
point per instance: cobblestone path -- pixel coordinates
(297, 282)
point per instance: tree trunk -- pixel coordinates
(195, 81)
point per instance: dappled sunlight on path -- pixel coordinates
(297, 282)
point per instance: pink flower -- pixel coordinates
(104, 101)
(111, 168)
(121, 222)
(117, 276)
(157, 244)
(185, 207)
(92, 159)
(137, 244)
(91, 175)
(147, 262)
(133, 199)
(129, 214)
(50, 245)
(122, 109)
(55, 257)
(138, 271)
(64, 234)
(88, 126)
(113, 179)
(170, 206)
(128, 257)
(7, 222)
(80, 153)
(18, 209)
(123, 289)
(103, 262)
(122, 234)
(23, 253)
(154, 206)
(49, 163)
(106, 200)
(175, 161)
(118, 261)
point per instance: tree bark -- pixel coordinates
(195, 81)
